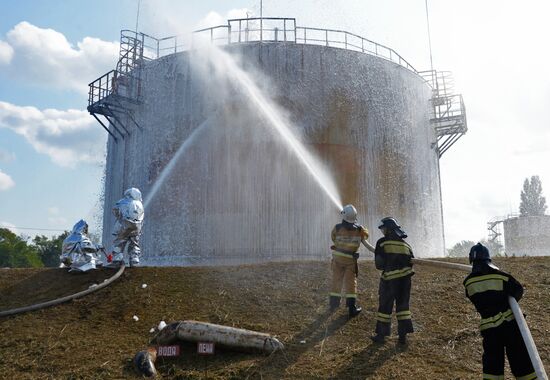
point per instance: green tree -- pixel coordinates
(532, 201)
(462, 249)
(49, 249)
(16, 253)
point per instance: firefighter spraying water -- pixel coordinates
(347, 238)
(129, 215)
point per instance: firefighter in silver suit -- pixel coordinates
(77, 251)
(129, 215)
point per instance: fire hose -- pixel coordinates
(71, 297)
(518, 314)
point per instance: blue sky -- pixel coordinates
(51, 157)
(45, 194)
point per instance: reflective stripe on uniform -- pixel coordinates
(393, 246)
(497, 320)
(348, 243)
(484, 286)
(347, 239)
(340, 254)
(381, 317)
(531, 376)
(487, 376)
(486, 277)
(332, 294)
(397, 273)
(402, 315)
(351, 295)
(336, 253)
(347, 247)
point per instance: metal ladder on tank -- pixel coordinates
(114, 94)
(495, 232)
(448, 110)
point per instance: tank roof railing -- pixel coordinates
(350, 41)
(267, 29)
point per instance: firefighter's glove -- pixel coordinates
(356, 255)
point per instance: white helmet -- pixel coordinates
(133, 193)
(349, 214)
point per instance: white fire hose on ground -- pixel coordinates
(518, 314)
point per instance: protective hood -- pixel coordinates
(133, 193)
(77, 250)
(81, 227)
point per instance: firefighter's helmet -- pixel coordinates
(133, 193)
(391, 224)
(349, 214)
(479, 252)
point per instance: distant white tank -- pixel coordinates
(527, 236)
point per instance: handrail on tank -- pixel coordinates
(102, 87)
(290, 32)
(402, 61)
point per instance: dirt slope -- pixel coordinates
(96, 337)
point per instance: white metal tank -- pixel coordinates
(237, 194)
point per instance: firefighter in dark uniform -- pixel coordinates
(393, 256)
(347, 238)
(489, 288)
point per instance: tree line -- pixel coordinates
(17, 252)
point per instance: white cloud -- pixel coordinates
(6, 156)
(6, 52)
(68, 137)
(213, 18)
(482, 175)
(45, 57)
(5, 181)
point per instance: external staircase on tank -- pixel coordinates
(114, 94)
(448, 111)
(495, 232)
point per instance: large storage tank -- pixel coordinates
(236, 193)
(527, 235)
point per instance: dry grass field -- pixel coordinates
(96, 337)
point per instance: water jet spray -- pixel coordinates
(226, 64)
(170, 166)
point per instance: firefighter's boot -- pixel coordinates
(134, 260)
(402, 339)
(334, 303)
(354, 310)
